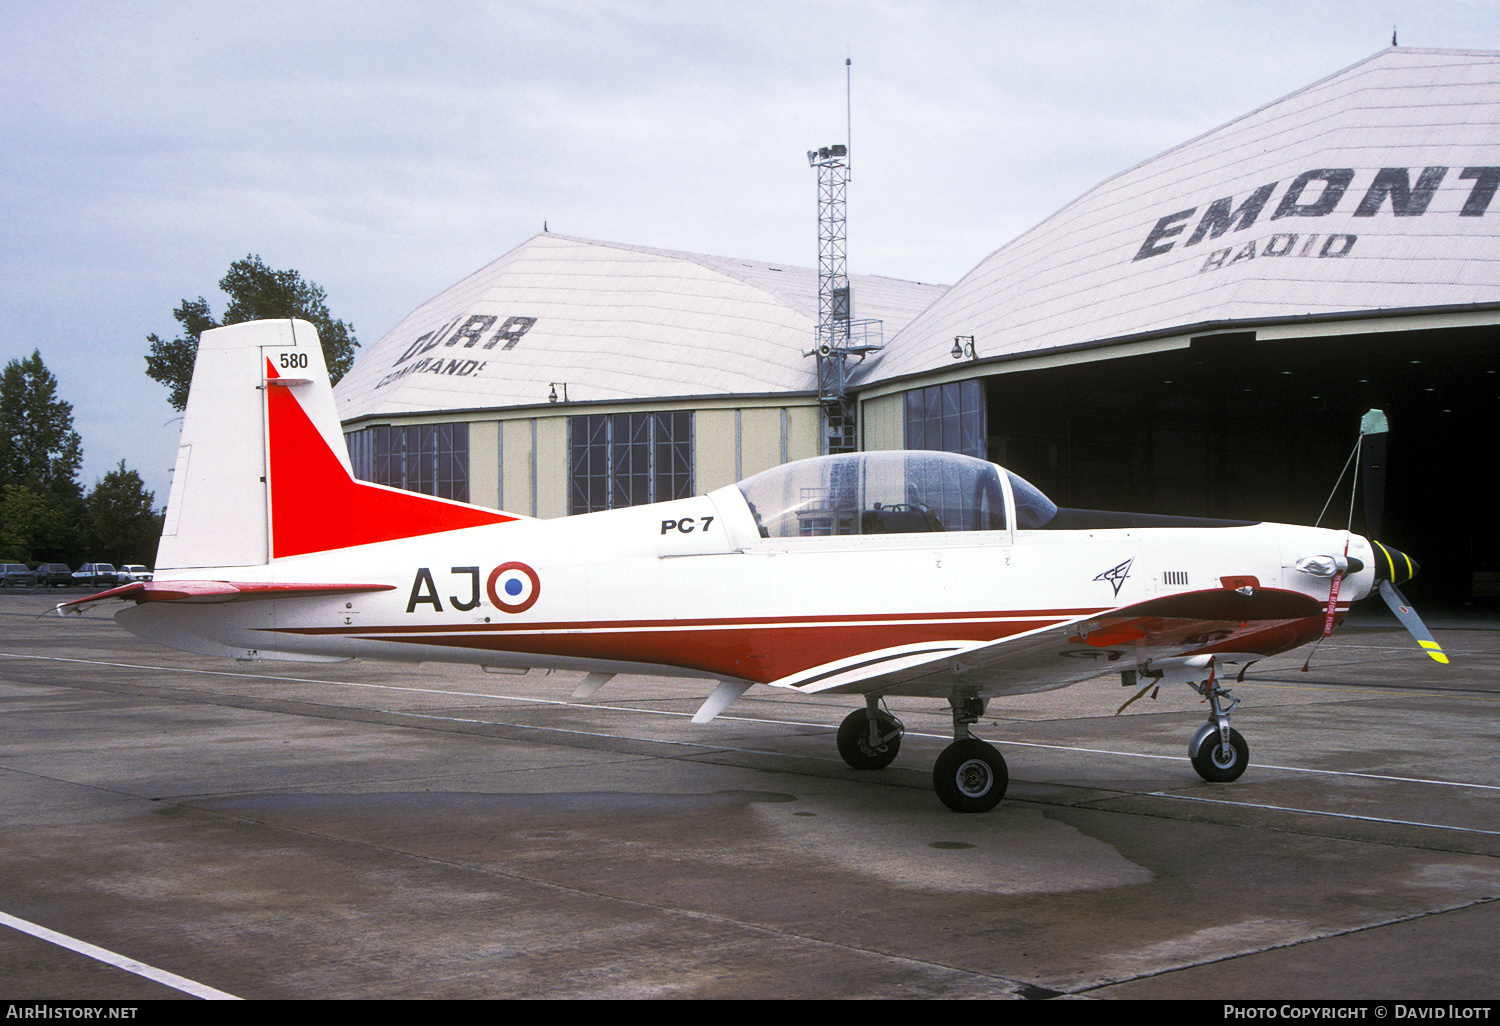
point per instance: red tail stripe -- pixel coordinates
(316, 506)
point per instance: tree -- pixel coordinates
(36, 526)
(38, 446)
(120, 521)
(255, 292)
(171, 363)
(39, 458)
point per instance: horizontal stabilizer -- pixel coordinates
(211, 591)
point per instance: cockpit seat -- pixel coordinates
(899, 518)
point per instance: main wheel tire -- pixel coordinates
(854, 741)
(970, 776)
(1219, 763)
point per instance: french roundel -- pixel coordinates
(514, 587)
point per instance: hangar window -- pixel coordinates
(429, 458)
(949, 418)
(626, 459)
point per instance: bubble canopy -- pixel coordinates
(904, 492)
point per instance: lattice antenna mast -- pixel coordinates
(833, 242)
(839, 336)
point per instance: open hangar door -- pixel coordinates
(1241, 428)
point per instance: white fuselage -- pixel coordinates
(691, 588)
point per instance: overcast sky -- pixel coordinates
(387, 149)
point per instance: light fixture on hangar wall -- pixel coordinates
(839, 336)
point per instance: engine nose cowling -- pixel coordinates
(1392, 564)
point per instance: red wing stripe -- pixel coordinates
(725, 623)
(764, 650)
(770, 649)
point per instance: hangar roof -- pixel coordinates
(614, 322)
(1368, 190)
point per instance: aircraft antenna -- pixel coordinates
(849, 111)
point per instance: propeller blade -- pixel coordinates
(1411, 621)
(1373, 429)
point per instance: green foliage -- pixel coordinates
(256, 292)
(120, 523)
(36, 526)
(43, 514)
(38, 446)
(39, 458)
(171, 363)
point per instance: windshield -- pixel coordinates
(1033, 509)
(879, 493)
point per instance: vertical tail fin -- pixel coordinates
(262, 469)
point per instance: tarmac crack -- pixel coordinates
(1300, 942)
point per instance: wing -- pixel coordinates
(1224, 622)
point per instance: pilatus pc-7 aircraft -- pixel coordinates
(957, 580)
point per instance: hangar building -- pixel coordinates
(1198, 334)
(570, 376)
(1201, 333)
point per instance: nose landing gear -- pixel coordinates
(1217, 751)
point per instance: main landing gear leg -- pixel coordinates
(1218, 752)
(869, 738)
(969, 775)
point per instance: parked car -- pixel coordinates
(54, 575)
(17, 575)
(134, 572)
(97, 575)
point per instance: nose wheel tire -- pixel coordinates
(1218, 762)
(854, 740)
(970, 776)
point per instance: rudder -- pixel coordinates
(218, 514)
